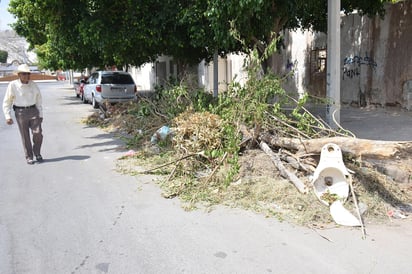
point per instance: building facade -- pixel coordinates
(376, 62)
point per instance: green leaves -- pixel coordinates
(85, 33)
(3, 56)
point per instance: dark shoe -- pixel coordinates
(39, 158)
(30, 161)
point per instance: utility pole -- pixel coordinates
(215, 74)
(333, 65)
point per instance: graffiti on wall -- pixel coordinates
(289, 65)
(352, 65)
(291, 69)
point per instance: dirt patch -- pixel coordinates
(256, 163)
(260, 188)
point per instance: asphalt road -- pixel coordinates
(378, 123)
(75, 214)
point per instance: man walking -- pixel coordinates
(23, 95)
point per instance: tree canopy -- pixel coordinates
(84, 33)
(3, 56)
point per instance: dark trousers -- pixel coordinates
(28, 120)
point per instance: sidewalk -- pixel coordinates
(388, 124)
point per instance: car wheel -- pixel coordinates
(94, 103)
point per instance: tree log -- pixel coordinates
(283, 171)
(364, 148)
(388, 157)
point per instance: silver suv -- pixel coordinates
(110, 87)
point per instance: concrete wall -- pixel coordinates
(150, 75)
(295, 62)
(398, 53)
(230, 69)
(143, 77)
(376, 57)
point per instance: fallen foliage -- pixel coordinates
(254, 147)
(257, 185)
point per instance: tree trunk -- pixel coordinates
(388, 157)
(364, 148)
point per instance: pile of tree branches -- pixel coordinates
(390, 158)
(209, 134)
(205, 145)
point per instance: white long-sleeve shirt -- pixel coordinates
(20, 94)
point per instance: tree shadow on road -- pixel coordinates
(67, 158)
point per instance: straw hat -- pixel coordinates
(23, 68)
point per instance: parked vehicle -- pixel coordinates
(110, 87)
(79, 88)
(76, 86)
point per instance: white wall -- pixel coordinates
(143, 77)
(229, 69)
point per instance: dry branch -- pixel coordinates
(217, 167)
(170, 163)
(283, 171)
(295, 161)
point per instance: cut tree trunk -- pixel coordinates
(358, 148)
(389, 157)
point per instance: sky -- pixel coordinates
(5, 17)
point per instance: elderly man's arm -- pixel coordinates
(39, 100)
(7, 104)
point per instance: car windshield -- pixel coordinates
(122, 79)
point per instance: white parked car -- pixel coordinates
(110, 87)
